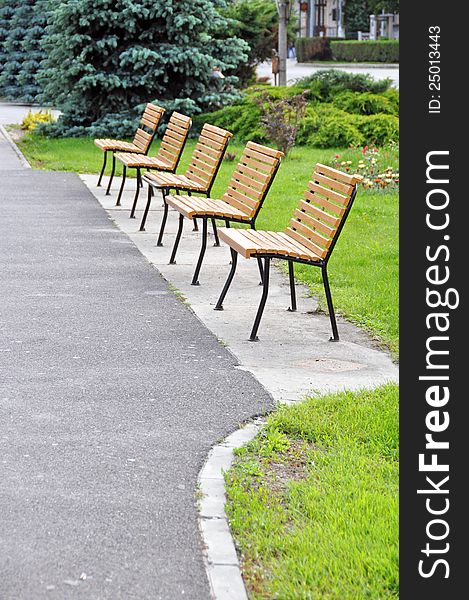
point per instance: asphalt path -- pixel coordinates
(111, 394)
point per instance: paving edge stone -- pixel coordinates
(221, 560)
(15, 148)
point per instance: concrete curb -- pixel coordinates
(15, 148)
(221, 560)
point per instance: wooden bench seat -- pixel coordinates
(192, 206)
(166, 159)
(240, 203)
(309, 239)
(140, 144)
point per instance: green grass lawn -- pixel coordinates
(363, 269)
(313, 500)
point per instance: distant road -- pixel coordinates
(296, 70)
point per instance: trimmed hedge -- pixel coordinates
(321, 48)
(386, 51)
(313, 48)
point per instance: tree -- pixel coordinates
(106, 59)
(357, 12)
(22, 24)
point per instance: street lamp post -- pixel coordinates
(284, 9)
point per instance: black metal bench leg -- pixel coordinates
(137, 192)
(163, 222)
(265, 293)
(195, 278)
(330, 306)
(113, 170)
(261, 270)
(124, 175)
(172, 260)
(226, 287)
(291, 275)
(196, 225)
(102, 170)
(147, 208)
(215, 233)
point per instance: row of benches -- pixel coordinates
(312, 232)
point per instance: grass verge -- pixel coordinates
(364, 267)
(313, 500)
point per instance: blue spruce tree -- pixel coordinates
(22, 24)
(105, 59)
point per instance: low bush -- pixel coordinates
(379, 129)
(365, 103)
(326, 83)
(33, 119)
(344, 109)
(386, 51)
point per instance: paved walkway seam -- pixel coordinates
(221, 560)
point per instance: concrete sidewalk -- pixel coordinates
(112, 393)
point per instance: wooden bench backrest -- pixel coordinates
(318, 219)
(252, 178)
(208, 154)
(150, 119)
(174, 139)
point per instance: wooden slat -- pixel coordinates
(262, 158)
(250, 162)
(235, 203)
(236, 239)
(167, 155)
(217, 130)
(205, 174)
(242, 197)
(257, 185)
(314, 223)
(207, 151)
(204, 157)
(261, 176)
(338, 186)
(175, 135)
(310, 234)
(176, 129)
(265, 150)
(218, 139)
(276, 245)
(249, 191)
(320, 214)
(317, 250)
(301, 249)
(323, 203)
(335, 174)
(147, 122)
(204, 141)
(329, 194)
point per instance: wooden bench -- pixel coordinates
(140, 145)
(199, 177)
(240, 203)
(166, 159)
(310, 238)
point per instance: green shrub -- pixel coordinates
(379, 129)
(386, 51)
(365, 103)
(337, 132)
(326, 83)
(313, 48)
